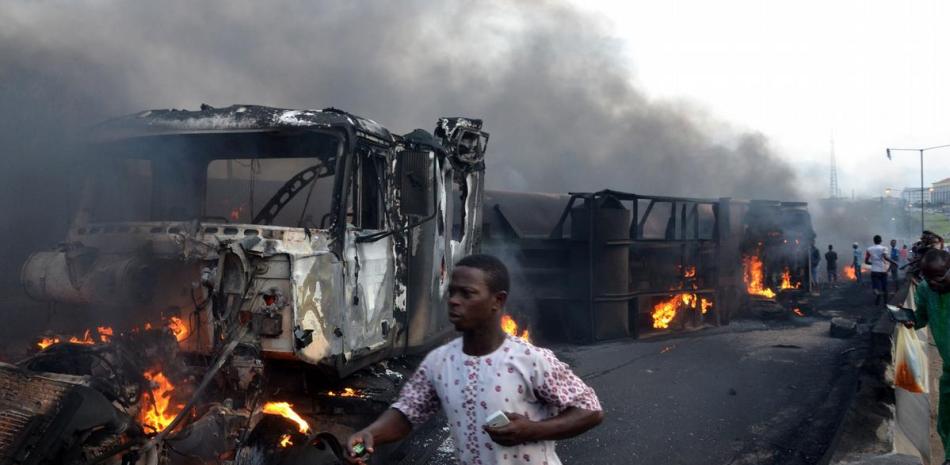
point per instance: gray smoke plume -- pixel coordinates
(550, 82)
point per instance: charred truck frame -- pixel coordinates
(333, 236)
(265, 233)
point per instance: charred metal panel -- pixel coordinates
(368, 315)
(318, 304)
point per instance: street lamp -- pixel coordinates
(921, 151)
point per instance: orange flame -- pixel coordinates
(849, 274)
(286, 410)
(105, 333)
(285, 441)
(86, 339)
(47, 341)
(787, 280)
(798, 311)
(665, 311)
(347, 392)
(178, 328)
(157, 411)
(690, 272)
(754, 277)
(509, 326)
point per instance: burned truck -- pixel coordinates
(331, 235)
(311, 237)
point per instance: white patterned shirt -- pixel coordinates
(517, 377)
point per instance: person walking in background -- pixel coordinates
(878, 257)
(857, 262)
(895, 259)
(815, 260)
(831, 264)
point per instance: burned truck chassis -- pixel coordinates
(369, 286)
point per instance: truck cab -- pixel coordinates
(330, 236)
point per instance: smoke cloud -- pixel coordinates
(551, 83)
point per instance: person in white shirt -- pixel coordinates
(877, 256)
(483, 372)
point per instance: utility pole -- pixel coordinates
(921, 152)
(835, 193)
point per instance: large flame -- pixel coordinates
(664, 312)
(754, 277)
(157, 409)
(286, 410)
(509, 326)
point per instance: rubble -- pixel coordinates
(843, 328)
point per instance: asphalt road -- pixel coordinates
(750, 393)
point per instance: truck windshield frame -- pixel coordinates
(165, 178)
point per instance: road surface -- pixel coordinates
(754, 392)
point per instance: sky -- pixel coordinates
(867, 74)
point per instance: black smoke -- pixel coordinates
(551, 83)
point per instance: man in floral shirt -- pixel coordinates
(485, 371)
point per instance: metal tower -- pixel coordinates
(835, 193)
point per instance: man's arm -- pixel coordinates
(391, 426)
(416, 403)
(556, 385)
(569, 423)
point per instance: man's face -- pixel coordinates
(893, 243)
(936, 275)
(472, 305)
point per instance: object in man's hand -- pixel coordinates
(900, 314)
(359, 449)
(497, 420)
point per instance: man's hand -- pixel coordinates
(363, 437)
(519, 430)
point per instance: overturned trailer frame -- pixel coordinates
(601, 268)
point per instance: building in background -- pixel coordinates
(940, 192)
(912, 195)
